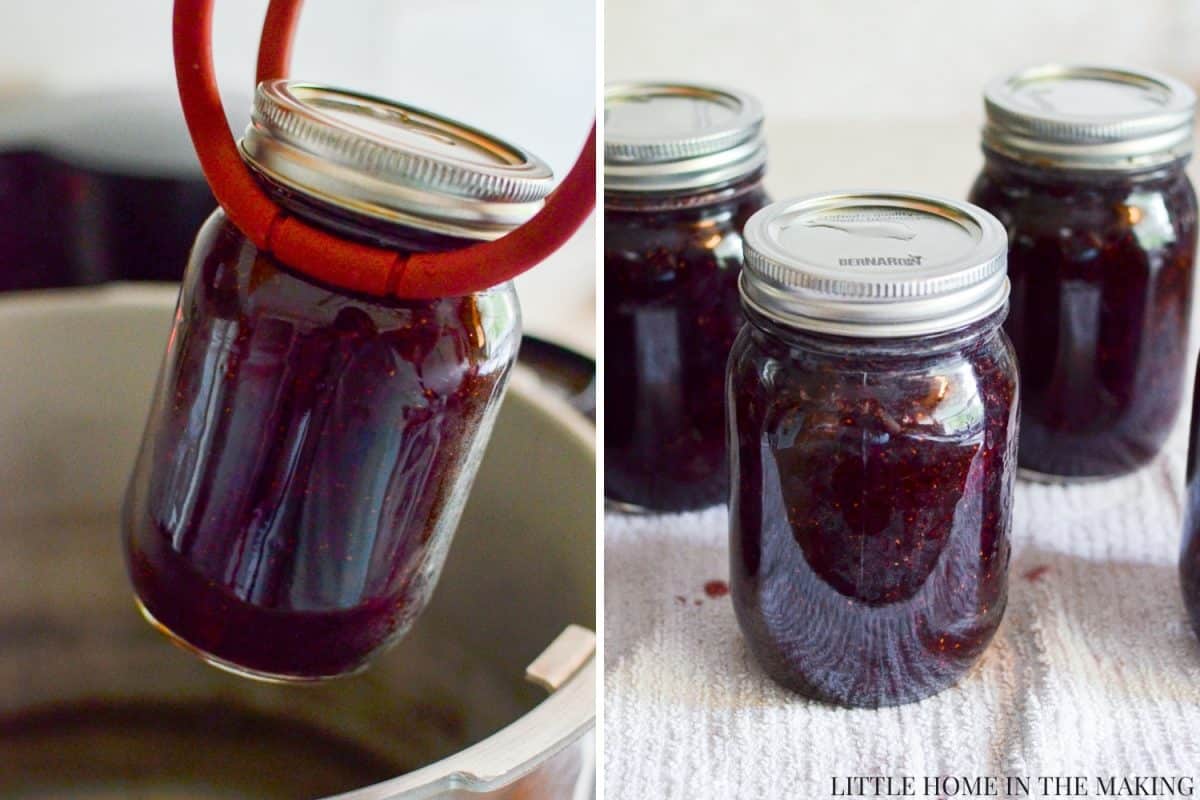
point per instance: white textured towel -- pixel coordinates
(1095, 671)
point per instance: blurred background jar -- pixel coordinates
(1085, 168)
(683, 169)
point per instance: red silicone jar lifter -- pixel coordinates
(323, 256)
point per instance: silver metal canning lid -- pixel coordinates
(1089, 117)
(874, 264)
(392, 162)
(662, 137)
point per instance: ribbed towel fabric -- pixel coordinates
(1095, 671)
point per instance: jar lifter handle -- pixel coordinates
(320, 255)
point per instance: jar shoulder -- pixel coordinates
(229, 277)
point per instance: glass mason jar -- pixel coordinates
(1085, 168)
(309, 451)
(683, 169)
(873, 414)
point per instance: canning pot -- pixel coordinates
(490, 695)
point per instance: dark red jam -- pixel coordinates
(871, 506)
(1101, 271)
(307, 456)
(671, 313)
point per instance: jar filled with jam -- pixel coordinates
(683, 169)
(1085, 168)
(873, 413)
(309, 450)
